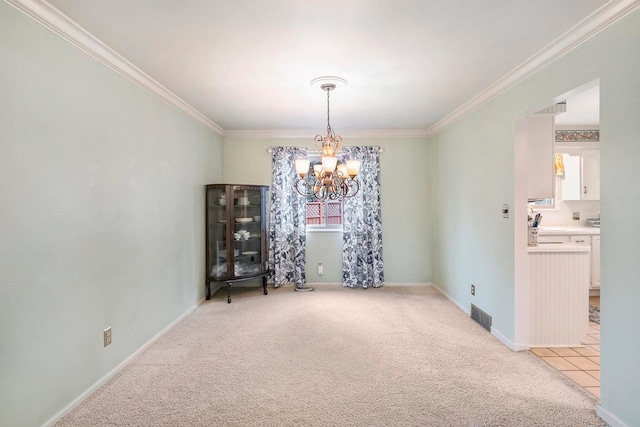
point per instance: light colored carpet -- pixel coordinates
(393, 356)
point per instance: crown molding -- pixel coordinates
(598, 21)
(309, 134)
(51, 18)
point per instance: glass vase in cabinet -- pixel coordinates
(236, 235)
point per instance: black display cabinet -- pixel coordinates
(236, 229)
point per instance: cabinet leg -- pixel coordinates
(207, 286)
(264, 285)
(229, 293)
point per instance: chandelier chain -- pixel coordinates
(328, 88)
(329, 130)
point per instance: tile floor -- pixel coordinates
(580, 364)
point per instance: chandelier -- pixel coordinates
(331, 179)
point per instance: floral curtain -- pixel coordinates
(287, 222)
(362, 262)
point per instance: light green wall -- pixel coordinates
(101, 219)
(473, 176)
(405, 217)
(473, 244)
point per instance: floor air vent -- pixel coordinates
(481, 317)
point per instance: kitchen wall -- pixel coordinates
(405, 204)
(474, 175)
(563, 215)
(101, 220)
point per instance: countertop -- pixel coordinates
(567, 230)
(558, 247)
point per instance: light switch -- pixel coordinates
(505, 211)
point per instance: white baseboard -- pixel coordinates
(322, 284)
(454, 302)
(506, 341)
(64, 411)
(608, 417)
(386, 284)
(408, 284)
(496, 333)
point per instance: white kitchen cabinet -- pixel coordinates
(581, 179)
(595, 262)
(590, 174)
(580, 240)
(571, 180)
(548, 236)
(540, 136)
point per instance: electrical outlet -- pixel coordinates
(106, 336)
(320, 269)
(473, 289)
(576, 216)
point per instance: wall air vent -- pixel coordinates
(482, 318)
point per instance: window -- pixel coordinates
(549, 203)
(323, 214)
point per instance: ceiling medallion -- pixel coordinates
(337, 82)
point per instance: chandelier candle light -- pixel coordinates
(332, 179)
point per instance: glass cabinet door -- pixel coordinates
(218, 218)
(248, 235)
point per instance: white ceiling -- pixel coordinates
(246, 64)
